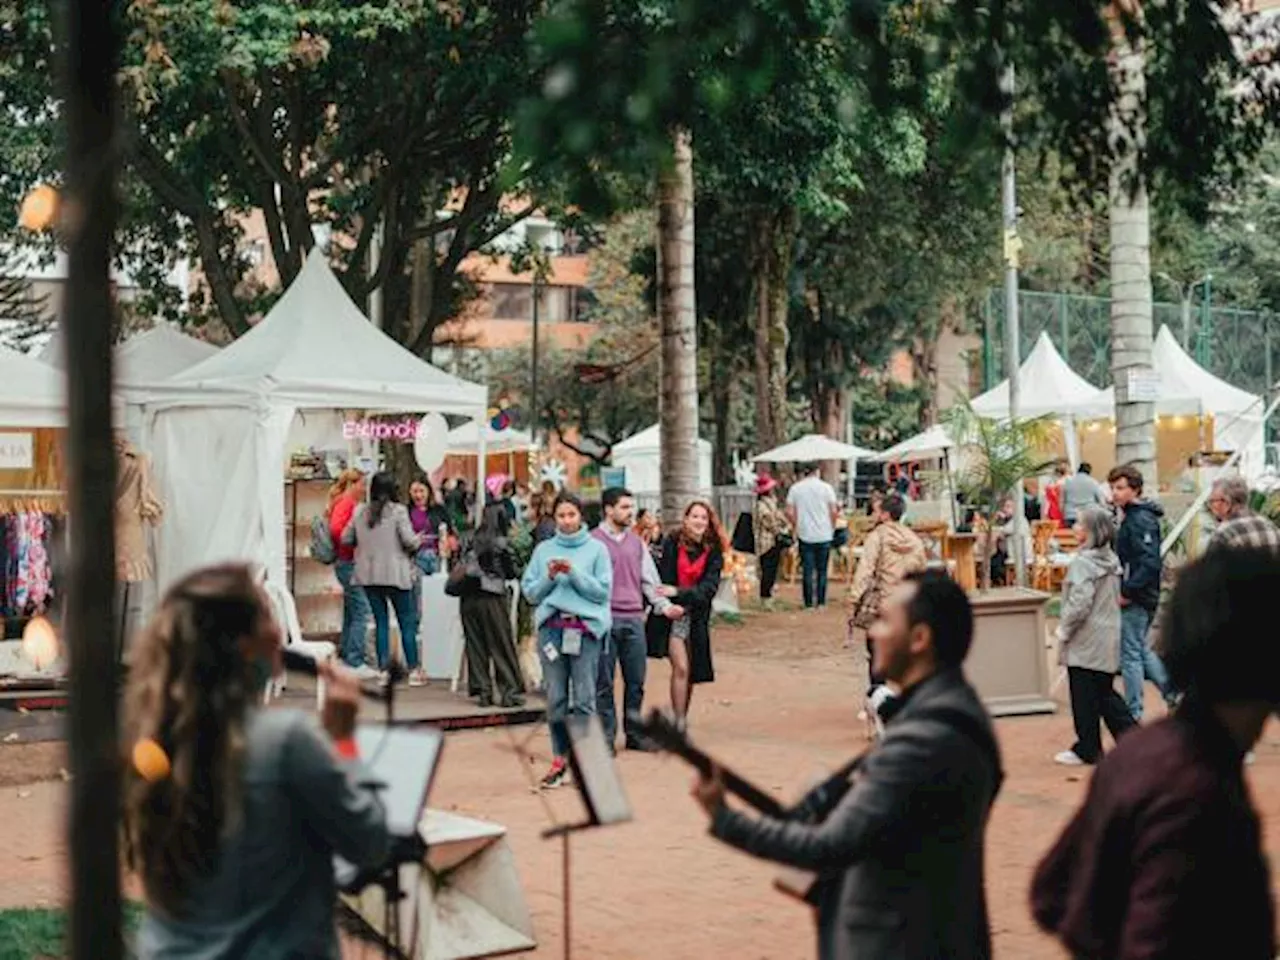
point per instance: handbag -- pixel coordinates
(464, 578)
(784, 540)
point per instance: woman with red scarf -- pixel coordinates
(690, 565)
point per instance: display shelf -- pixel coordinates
(313, 584)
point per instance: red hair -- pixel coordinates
(714, 538)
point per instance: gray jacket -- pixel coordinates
(1078, 492)
(384, 552)
(271, 895)
(1089, 623)
(901, 854)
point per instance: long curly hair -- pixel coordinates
(190, 689)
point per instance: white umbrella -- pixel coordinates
(933, 444)
(813, 448)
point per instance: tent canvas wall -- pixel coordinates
(641, 455)
(218, 431)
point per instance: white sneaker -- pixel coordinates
(365, 673)
(1068, 758)
(417, 677)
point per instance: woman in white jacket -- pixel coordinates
(1089, 638)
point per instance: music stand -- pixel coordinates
(401, 763)
(596, 777)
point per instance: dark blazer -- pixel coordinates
(1165, 857)
(901, 853)
(697, 603)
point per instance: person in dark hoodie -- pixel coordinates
(1138, 547)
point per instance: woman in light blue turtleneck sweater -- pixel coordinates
(568, 580)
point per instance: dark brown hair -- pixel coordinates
(1129, 474)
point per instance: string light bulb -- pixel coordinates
(40, 642)
(150, 760)
(39, 209)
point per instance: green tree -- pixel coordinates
(362, 117)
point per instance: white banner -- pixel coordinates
(17, 451)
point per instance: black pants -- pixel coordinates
(769, 571)
(1094, 700)
(486, 629)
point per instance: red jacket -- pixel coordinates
(339, 520)
(1164, 861)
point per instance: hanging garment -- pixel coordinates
(136, 505)
(39, 570)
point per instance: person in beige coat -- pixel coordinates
(1089, 638)
(890, 552)
(385, 545)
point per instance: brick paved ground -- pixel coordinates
(781, 711)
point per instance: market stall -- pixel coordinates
(508, 451)
(641, 456)
(220, 431)
(32, 507)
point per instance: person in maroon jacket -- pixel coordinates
(1165, 860)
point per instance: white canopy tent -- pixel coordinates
(1188, 389)
(933, 444)
(32, 393)
(466, 440)
(1046, 387)
(641, 455)
(218, 431)
(813, 448)
(151, 356)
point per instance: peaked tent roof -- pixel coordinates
(812, 448)
(1046, 385)
(147, 357)
(32, 393)
(649, 438)
(315, 349)
(1188, 388)
(464, 439)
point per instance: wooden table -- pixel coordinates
(960, 547)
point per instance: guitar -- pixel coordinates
(661, 730)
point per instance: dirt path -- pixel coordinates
(782, 710)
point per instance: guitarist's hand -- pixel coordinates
(709, 791)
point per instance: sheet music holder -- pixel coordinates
(399, 766)
(596, 777)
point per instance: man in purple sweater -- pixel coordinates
(635, 583)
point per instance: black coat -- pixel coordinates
(697, 603)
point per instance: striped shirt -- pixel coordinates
(1246, 530)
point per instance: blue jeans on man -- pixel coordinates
(626, 648)
(355, 614)
(814, 560)
(570, 681)
(1138, 662)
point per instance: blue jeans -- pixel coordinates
(625, 646)
(814, 560)
(570, 681)
(355, 614)
(428, 565)
(1137, 660)
(379, 599)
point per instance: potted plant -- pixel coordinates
(1007, 664)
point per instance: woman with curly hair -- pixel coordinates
(232, 812)
(689, 566)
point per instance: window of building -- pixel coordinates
(511, 301)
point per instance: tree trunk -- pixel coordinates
(774, 244)
(678, 326)
(1130, 222)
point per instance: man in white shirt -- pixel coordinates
(812, 509)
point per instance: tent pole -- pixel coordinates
(482, 445)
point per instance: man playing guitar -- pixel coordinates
(899, 848)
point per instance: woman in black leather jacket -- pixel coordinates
(486, 613)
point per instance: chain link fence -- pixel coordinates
(1236, 345)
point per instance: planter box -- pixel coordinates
(1007, 663)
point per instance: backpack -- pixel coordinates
(322, 545)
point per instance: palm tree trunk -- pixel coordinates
(677, 322)
(1130, 215)
(774, 242)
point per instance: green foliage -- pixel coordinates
(998, 456)
(38, 934)
(337, 113)
(24, 314)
